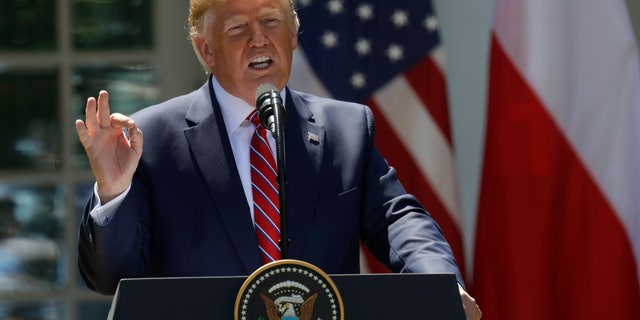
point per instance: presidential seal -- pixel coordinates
(288, 290)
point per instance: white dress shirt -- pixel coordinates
(234, 112)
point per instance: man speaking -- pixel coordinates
(196, 196)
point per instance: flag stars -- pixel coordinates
(363, 47)
(304, 3)
(335, 7)
(400, 18)
(431, 23)
(395, 53)
(365, 12)
(358, 80)
(329, 39)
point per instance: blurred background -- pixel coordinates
(53, 55)
(56, 53)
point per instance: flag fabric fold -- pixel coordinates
(558, 231)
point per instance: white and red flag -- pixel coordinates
(558, 231)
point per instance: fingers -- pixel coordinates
(118, 120)
(104, 112)
(471, 308)
(90, 113)
(473, 312)
(83, 134)
(98, 116)
(135, 139)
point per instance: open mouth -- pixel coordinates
(260, 63)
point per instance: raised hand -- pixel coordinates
(112, 156)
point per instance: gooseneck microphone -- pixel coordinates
(272, 116)
(270, 106)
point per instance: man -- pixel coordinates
(185, 207)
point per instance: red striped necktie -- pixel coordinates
(266, 206)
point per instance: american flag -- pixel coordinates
(388, 55)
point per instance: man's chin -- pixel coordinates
(276, 81)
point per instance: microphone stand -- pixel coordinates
(278, 135)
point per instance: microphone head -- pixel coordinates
(269, 105)
(265, 88)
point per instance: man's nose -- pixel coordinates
(258, 37)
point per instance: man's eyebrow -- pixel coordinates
(264, 12)
(270, 12)
(233, 19)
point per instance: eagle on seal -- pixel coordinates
(284, 307)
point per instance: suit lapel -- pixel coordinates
(304, 150)
(211, 149)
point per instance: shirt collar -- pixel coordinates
(234, 110)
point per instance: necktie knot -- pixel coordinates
(253, 118)
(261, 131)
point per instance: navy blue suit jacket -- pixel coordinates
(187, 215)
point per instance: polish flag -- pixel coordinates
(558, 232)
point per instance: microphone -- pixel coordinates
(270, 106)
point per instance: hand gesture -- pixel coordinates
(112, 156)
(471, 309)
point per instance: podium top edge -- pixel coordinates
(344, 275)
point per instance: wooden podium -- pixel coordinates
(365, 296)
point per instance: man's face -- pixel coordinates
(248, 43)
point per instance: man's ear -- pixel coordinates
(204, 50)
(294, 40)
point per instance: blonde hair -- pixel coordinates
(197, 9)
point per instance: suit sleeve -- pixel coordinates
(398, 230)
(117, 250)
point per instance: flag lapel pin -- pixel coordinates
(313, 138)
